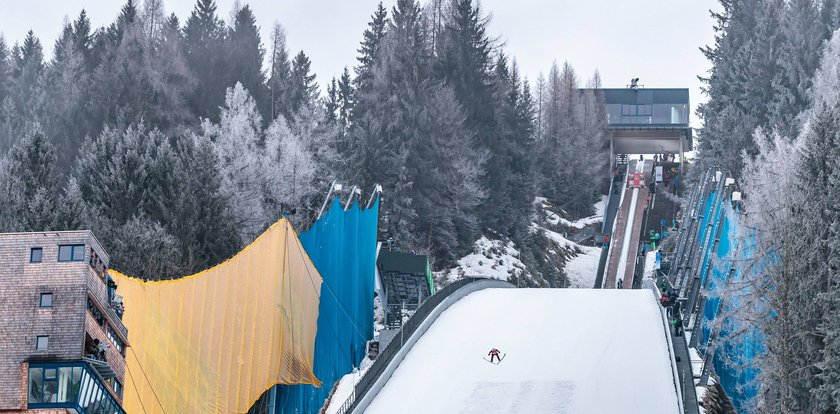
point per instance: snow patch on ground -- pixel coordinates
(500, 260)
(696, 361)
(490, 258)
(582, 269)
(567, 351)
(701, 392)
(555, 219)
(557, 238)
(650, 262)
(601, 206)
(346, 386)
(378, 315)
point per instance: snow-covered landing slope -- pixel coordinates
(568, 351)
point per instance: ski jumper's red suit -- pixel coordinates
(494, 353)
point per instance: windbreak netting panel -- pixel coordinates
(738, 342)
(214, 341)
(342, 244)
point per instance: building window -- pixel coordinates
(118, 343)
(36, 254)
(71, 253)
(628, 109)
(94, 311)
(116, 386)
(46, 300)
(42, 342)
(54, 384)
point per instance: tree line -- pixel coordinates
(773, 118)
(178, 143)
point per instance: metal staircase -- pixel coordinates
(694, 272)
(693, 220)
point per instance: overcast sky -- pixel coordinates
(655, 40)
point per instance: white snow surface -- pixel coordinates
(583, 268)
(490, 258)
(650, 261)
(554, 236)
(345, 387)
(567, 351)
(555, 219)
(601, 206)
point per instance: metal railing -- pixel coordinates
(387, 354)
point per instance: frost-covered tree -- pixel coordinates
(242, 164)
(8, 118)
(571, 153)
(71, 210)
(465, 62)
(293, 168)
(83, 39)
(354, 150)
(303, 90)
(198, 214)
(5, 69)
(112, 168)
(135, 179)
(771, 194)
(141, 79)
(204, 36)
(413, 140)
(344, 95)
(245, 56)
(733, 111)
(280, 73)
(369, 49)
(817, 273)
(154, 19)
(516, 121)
(791, 282)
(799, 56)
(763, 59)
(63, 103)
(27, 180)
(139, 234)
(825, 87)
(27, 68)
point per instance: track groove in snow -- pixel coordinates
(568, 351)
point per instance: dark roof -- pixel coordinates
(645, 96)
(391, 261)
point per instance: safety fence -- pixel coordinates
(386, 355)
(679, 379)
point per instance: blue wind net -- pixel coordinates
(737, 344)
(342, 245)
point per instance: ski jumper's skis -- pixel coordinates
(502, 358)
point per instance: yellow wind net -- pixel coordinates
(214, 341)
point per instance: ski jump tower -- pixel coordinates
(639, 122)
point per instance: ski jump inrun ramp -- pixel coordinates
(567, 351)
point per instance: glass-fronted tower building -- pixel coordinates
(648, 121)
